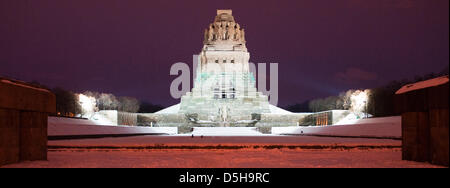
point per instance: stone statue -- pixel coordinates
(231, 31)
(220, 34)
(224, 31)
(216, 31)
(238, 34)
(224, 113)
(206, 35)
(243, 35)
(211, 33)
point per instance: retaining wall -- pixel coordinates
(24, 110)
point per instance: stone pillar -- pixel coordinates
(24, 110)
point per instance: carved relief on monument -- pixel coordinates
(224, 28)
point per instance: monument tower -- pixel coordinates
(224, 90)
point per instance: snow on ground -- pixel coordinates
(104, 117)
(61, 120)
(175, 108)
(226, 131)
(277, 110)
(372, 127)
(169, 110)
(249, 151)
(354, 120)
(423, 84)
(389, 127)
(349, 119)
(274, 158)
(18, 83)
(149, 140)
(58, 126)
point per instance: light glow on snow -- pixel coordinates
(359, 100)
(87, 103)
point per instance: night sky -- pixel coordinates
(126, 47)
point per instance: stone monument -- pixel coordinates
(224, 90)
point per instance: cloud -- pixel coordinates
(354, 75)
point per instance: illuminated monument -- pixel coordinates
(224, 89)
(224, 92)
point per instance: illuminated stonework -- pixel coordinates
(224, 90)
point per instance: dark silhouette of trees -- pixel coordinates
(146, 107)
(300, 107)
(66, 102)
(328, 103)
(128, 104)
(380, 99)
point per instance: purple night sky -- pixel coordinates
(126, 47)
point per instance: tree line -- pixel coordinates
(380, 100)
(68, 102)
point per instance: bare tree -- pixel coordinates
(107, 101)
(128, 104)
(66, 102)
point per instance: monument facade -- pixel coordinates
(224, 90)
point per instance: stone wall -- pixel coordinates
(24, 110)
(280, 120)
(127, 118)
(109, 116)
(114, 117)
(161, 120)
(425, 121)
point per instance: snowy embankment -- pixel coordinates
(386, 127)
(58, 126)
(226, 131)
(268, 158)
(214, 141)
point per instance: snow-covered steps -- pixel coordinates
(226, 131)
